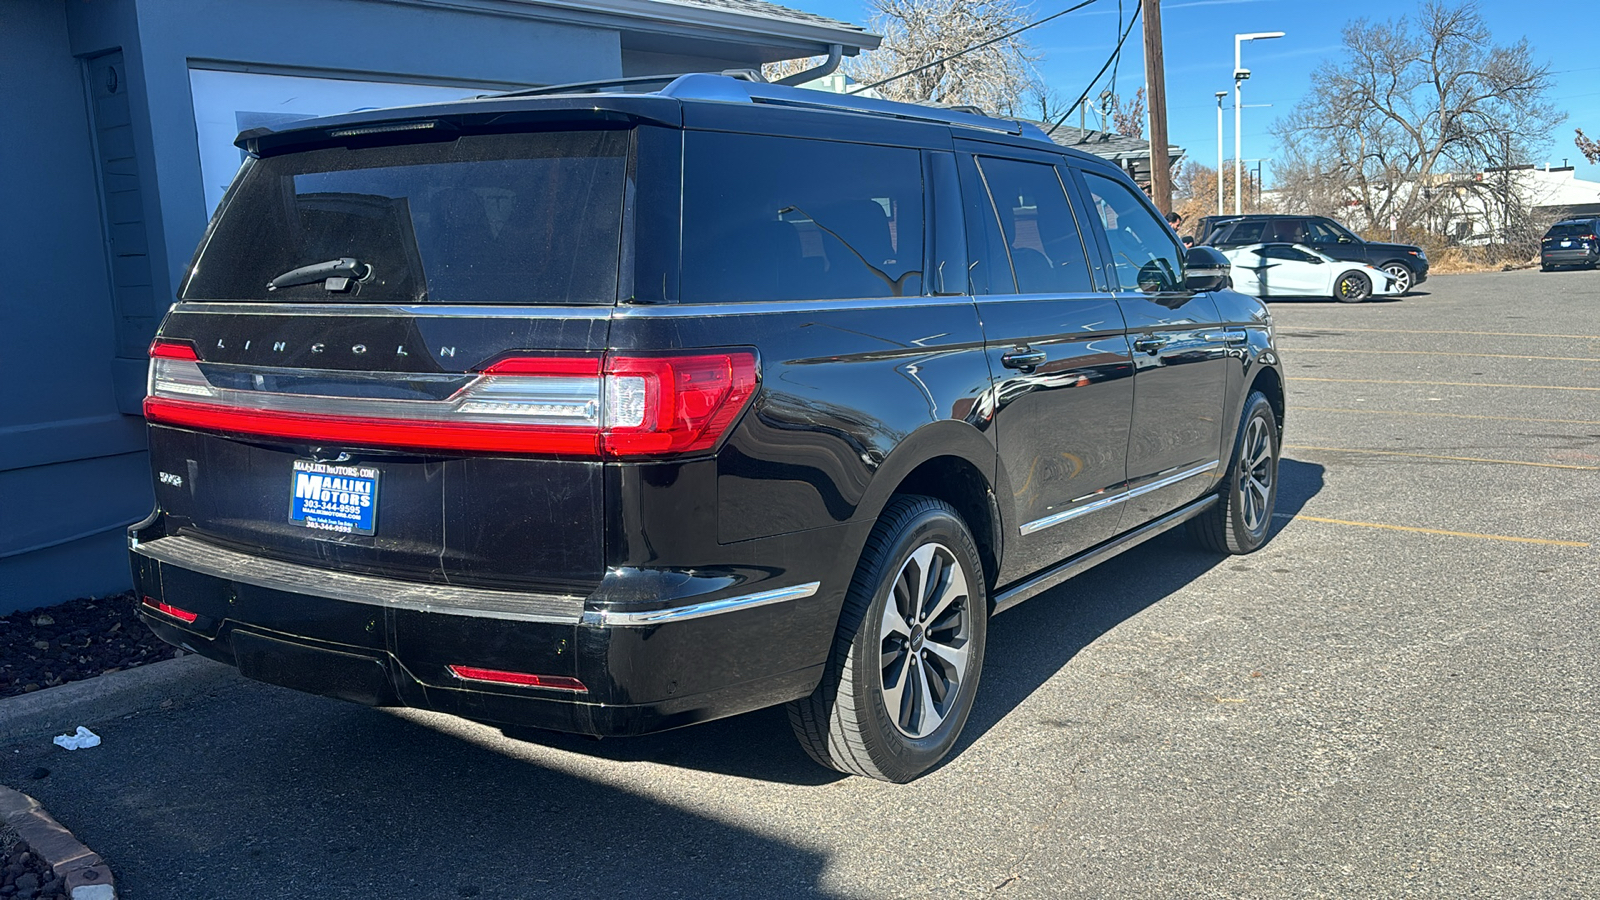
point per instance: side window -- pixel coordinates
(1322, 234)
(1040, 230)
(769, 218)
(1293, 231)
(1143, 251)
(1246, 233)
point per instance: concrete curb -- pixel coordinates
(85, 874)
(59, 710)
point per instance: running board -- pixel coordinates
(1088, 559)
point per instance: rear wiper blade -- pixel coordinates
(336, 274)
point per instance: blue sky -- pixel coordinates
(1199, 58)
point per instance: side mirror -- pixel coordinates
(1345, 239)
(1315, 260)
(1206, 269)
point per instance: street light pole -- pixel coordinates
(1220, 95)
(1240, 73)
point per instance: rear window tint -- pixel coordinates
(767, 218)
(508, 218)
(1571, 229)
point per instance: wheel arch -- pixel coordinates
(1269, 382)
(956, 463)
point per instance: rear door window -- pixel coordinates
(772, 218)
(504, 218)
(1245, 233)
(1041, 233)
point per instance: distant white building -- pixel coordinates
(1492, 206)
(1550, 192)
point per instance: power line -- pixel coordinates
(979, 46)
(1093, 81)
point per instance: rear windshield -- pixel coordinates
(505, 218)
(1570, 229)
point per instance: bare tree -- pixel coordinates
(1194, 193)
(1411, 103)
(1128, 115)
(999, 78)
(1588, 146)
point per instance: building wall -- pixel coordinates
(68, 457)
(76, 308)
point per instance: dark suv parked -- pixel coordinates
(1571, 242)
(612, 412)
(1407, 264)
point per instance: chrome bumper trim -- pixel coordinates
(700, 610)
(198, 556)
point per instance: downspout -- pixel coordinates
(835, 53)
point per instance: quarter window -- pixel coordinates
(1143, 252)
(769, 218)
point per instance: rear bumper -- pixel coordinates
(742, 644)
(1577, 256)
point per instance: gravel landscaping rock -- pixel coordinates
(79, 639)
(23, 875)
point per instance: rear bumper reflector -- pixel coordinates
(521, 679)
(182, 615)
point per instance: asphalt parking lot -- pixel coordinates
(1397, 696)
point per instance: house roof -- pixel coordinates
(773, 11)
(1106, 144)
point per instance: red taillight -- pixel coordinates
(182, 615)
(160, 349)
(673, 404)
(618, 406)
(521, 679)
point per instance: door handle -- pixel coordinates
(1024, 358)
(1226, 337)
(1149, 343)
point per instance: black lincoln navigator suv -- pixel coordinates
(611, 411)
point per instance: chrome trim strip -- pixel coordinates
(357, 309)
(700, 610)
(1070, 514)
(198, 556)
(1049, 578)
(734, 308)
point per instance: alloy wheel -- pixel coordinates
(924, 636)
(1401, 275)
(1255, 474)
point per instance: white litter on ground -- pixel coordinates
(77, 741)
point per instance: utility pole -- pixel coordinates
(1155, 87)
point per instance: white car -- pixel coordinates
(1295, 270)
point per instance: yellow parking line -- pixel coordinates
(1503, 462)
(1465, 534)
(1574, 337)
(1401, 412)
(1298, 350)
(1477, 384)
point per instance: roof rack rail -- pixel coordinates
(704, 86)
(648, 82)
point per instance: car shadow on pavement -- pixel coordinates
(298, 796)
(760, 745)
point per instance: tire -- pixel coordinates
(1241, 519)
(1352, 287)
(1402, 274)
(852, 722)
(1544, 268)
